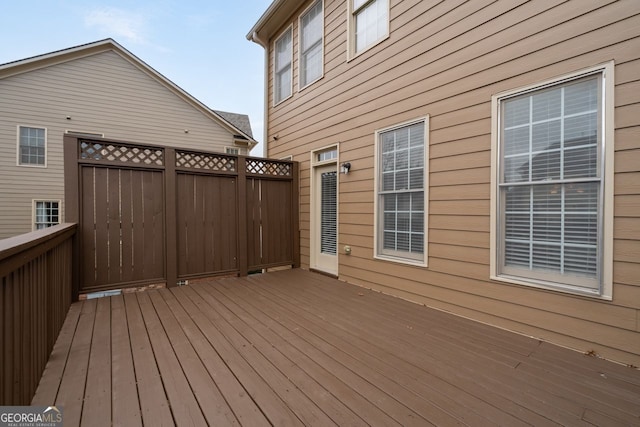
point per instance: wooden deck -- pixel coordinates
(298, 348)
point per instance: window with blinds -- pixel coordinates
(401, 192)
(282, 67)
(311, 49)
(551, 182)
(328, 213)
(370, 23)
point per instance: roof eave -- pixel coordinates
(276, 14)
(40, 61)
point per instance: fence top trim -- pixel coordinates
(119, 152)
(108, 151)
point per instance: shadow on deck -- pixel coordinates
(297, 348)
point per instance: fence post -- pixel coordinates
(171, 242)
(72, 206)
(295, 212)
(243, 236)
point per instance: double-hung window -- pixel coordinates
(46, 213)
(311, 55)
(282, 66)
(32, 146)
(401, 193)
(549, 195)
(369, 23)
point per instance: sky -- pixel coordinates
(199, 45)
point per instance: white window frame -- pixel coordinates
(605, 291)
(276, 101)
(378, 219)
(352, 14)
(19, 157)
(301, 84)
(34, 217)
(234, 151)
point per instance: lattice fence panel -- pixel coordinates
(205, 161)
(268, 167)
(94, 150)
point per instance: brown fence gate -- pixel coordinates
(151, 215)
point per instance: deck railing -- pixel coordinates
(36, 275)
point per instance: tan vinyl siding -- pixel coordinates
(102, 93)
(446, 60)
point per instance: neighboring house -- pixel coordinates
(494, 153)
(100, 90)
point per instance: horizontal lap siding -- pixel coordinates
(102, 93)
(446, 59)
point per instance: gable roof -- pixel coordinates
(236, 127)
(241, 121)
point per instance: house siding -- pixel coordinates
(102, 93)
(446, 60)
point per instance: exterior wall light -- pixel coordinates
(345, 168)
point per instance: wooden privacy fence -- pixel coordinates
(149, 215)
(35, 295)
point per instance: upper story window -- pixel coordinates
(232, 150)
(550, 205)
(282, 66)
(32, 146)
(311, 49)
(369, 23)
(401, 223)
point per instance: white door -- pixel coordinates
(325, 214)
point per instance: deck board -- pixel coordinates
(305, 409)
(184, 405)
(274, 408)
(380, 339)
(125, 402)
(97, 395)
(154, 406)
(297, 348)
(354, 371)
(54, 370)
(341, 353)
(209, 397)
(245, 409)
(72, 386)
(336, 396)
(462, 357)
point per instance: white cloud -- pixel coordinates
(118, 23)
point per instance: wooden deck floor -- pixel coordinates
(298, 348)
